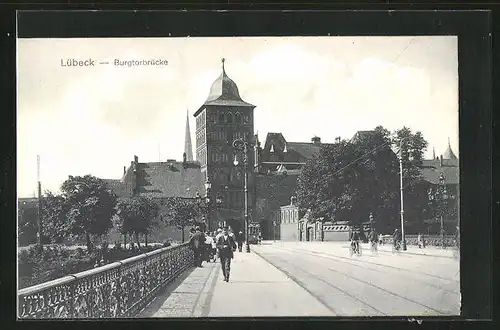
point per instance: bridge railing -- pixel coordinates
(120, 289)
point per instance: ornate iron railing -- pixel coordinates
(120, 289)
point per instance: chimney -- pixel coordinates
(441, 160)
(316, 140)
(136, 159)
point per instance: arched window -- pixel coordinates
(222, 117)
(213, 157)
(237, 118)
(230, 118)
(217, 157)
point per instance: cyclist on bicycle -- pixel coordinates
(396, 238)
(355, 241)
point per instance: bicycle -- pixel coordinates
(355, 248)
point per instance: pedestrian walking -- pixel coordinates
(419, 241)
(198, 245)
(217, 235)
(209, 255)
(239, 240)
(226, 247)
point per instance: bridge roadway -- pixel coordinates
(317, 279)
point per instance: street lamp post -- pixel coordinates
(444, 196)
(371, 221)
(440, 195)
(210, 204)
(242, 146)
(274, 231)
(401, 193)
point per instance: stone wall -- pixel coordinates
(336, 236)
(289, 232)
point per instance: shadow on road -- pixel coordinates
(163, 294)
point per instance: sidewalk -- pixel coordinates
(256, 288)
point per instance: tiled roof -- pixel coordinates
(27, 199)
(449, 154)
(295, 151)
(121, 188)
(306, 150)
(431, 170)
(169, 179)
(361, 135)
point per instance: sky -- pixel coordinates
(93, 120)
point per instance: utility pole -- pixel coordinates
(401, 193)
(39, 222)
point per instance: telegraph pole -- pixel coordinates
(39, 222)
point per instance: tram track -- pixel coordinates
(326, 255)
(348, 294)
(317, 297)
(363, 265)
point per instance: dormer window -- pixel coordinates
(230, 118)
(237, 118)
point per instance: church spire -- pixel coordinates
(188, 149)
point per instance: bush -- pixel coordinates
(57, 261)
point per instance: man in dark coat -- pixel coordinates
(226, 248)
(239, 240)
(198, 244)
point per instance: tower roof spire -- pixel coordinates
(224, 92)
(188, 148)
(448, 154)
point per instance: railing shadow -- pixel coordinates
(163, 294)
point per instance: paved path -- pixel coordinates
(370, 285)
(256, 288)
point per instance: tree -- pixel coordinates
(90, 206)
(136, 216)
(55, 227)
(327, 185)
(27, 224)
(183, 212)
(351, 179)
